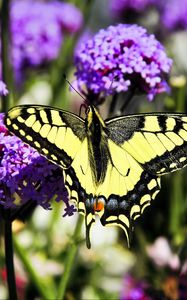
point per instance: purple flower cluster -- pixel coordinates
(122, 7)
(27, 176)
(37, 29)
(3, 89)
(120, 58)
(174, 14)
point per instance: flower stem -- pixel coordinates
(61, 65)
(181, 99)
(5, 45)
(70, 260)
(177, 212)
(176, 216)
(9, 260)
(35, 279)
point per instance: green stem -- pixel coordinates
(176, 204)
(5, 45)
(55, 213)
(181, 99)
(70, 260)
(61, 66)
(177, 212)
(11, 281)
(86, 7)
(35, 279)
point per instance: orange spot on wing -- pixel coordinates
(98, 205)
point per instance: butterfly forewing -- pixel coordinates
(56, 134)
(157, 141)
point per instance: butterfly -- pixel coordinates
(111, 168)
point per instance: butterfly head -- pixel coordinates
(93, 119)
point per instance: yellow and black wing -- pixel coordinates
(142, 148)
(156, 141)
(126, 191)
(59, 136)
(55, 133)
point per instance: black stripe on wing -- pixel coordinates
(27, 122)
(157, 141)
(170, 161)
(122, 211)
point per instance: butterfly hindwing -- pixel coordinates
(126, 194)
(157, 141)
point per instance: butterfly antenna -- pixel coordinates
(114, 98)
(112, 81)
(73, 87)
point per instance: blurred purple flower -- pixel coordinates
(27, 176)
(68, 16)
(122, 7)
(37, 29)
(174, 14)
(120, 58)
(3, 89)
(133, 289)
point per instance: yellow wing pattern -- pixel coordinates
(111, 168)
(48, 131)
(127, 191)
(157, 141)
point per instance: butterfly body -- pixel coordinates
(111, 168)
(97, 145)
